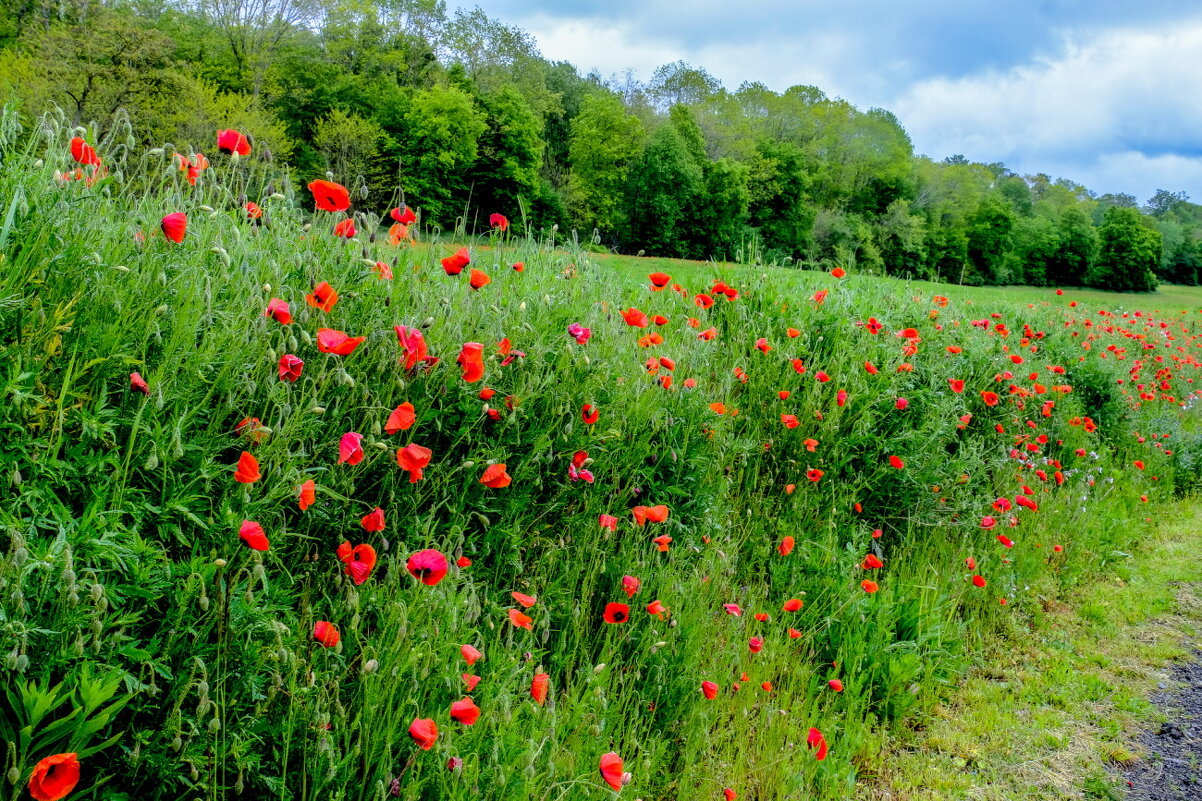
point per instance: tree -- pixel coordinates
(506, 171)
(680, 84)
(256, 30)
(442, 127)
(661, 189)
(357, 151)
(1163, 202)
(724, 215)
(605, 142)
(777, 183)
(1077, 247)
(105, 63)
(988, 241)
(1129, 253)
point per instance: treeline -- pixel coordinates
(462, 113)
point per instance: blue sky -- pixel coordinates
(1104, 92)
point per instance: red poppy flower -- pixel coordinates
(896, 462)
(471, 359)
(762, 617)
(978, 581)
(308, 494)
(589, 414)
(253, 210)
(608, 521)
(428, 566)
(630, 585)
(762, 345)
(252, 534)
(526, 601)
(138, 384)
(345, 228)
(792, 605)
(373, 521)
(656, 608)
(326, 634)
(175, 226)
(653, 514)
(278, 309)
(611, 771)
(83, 153)
(413, 343)
(520, 620)
(468, 679)
(871, 562)
(498, 221)
(247, 471)
(359, 561)
(869, 586)
(1005, 541)
(403, 215)
(54, 777)
(815, 740)
(635, 318)
(786, 546)
(616, 613)
(659, 280)
(230, 142)
(337, 342)
(495, 476)
(401, 419)
(290, 367)
(323, 297)
(350, 448)
(838, 272)
(424, 732)
(470, 654)
(465, 711)
(794, 633)
(814, 474)
(709, 689)
(835, 685)
(956, 385)
(990, 398)
(413, 458)
(454, 264)
(755, 644)
(479, 279)
(539, 686)
(330, 196)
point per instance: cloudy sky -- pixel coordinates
(1105, 92)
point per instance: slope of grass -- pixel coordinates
(122, 510)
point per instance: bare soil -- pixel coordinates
(1172, 769)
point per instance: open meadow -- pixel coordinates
(294, 508)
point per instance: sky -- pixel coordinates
(1107, 93)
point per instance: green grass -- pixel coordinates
(121, 513)
(1045, 716)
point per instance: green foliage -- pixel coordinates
(605, 142)
(1129, 253)
(662, 193)
(506, 171)
(441, 129)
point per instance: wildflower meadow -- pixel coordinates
(302, 499)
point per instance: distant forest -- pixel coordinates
(462, 115)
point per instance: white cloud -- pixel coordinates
(1118, 112)
(613, 47)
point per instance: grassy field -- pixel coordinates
(816, 499)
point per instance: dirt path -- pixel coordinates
(1172, 767)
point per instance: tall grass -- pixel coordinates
(121, 514)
